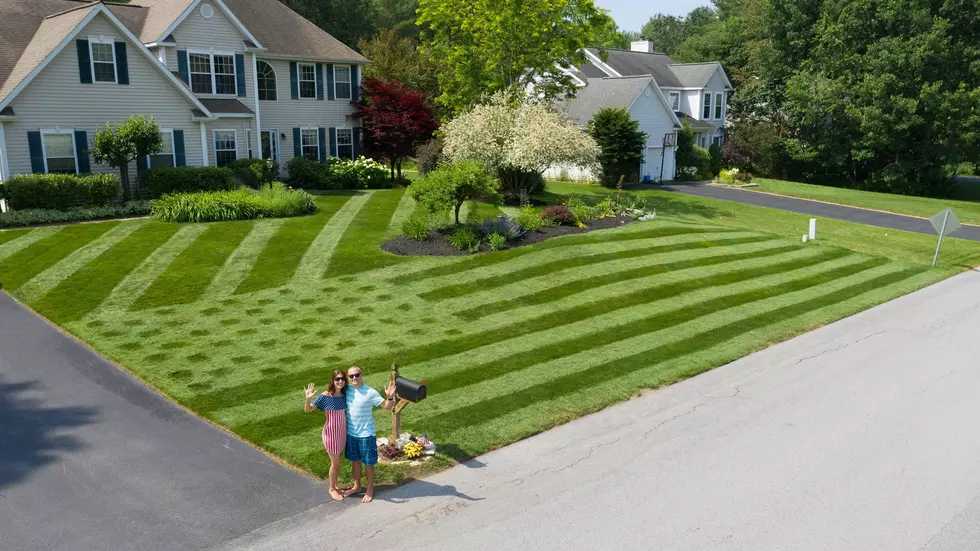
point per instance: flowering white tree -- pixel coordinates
(517, 142)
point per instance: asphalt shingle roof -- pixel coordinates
(664, 70)
(615, 92)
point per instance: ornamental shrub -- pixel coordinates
(274, 201)
(307, 173)
(621, 144)
(30, 217)
(157, 182)
(558, 215)
(428, 156)
(255, 172)
(418, 226)
(449, 186)
(60, 191)
(496, 241)
(715, 163)
(464, 238)
(361, 173)
(502, 225)
(529, 219)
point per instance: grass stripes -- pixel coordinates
(86, 288)
(10, 235)
(22, 266)
(314, 265)
(242, 261)
(48, 279)
(283, 253)
(467, 416)
(358, 250)
(550, 268)
(557, 318)
(570, 288)
(484, 260)
(189, 275)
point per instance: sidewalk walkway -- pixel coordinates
(815, 208)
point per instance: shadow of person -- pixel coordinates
(422, 488)
(32, 435)
(462, 457)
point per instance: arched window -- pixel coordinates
(267, 81)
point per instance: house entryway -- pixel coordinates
(270, 144)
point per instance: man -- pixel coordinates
(362, 445)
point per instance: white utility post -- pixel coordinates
(945, 222)
(813, 229)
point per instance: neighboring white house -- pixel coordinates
(225, 79)
(642, 99)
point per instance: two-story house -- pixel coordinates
(657, 93)
(225, 79)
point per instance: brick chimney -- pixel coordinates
(642, 46)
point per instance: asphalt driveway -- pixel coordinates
(90, 458)
(815, 208)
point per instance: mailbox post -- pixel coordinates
(406, 392)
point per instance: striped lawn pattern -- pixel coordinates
(10, 235)
(232, 319)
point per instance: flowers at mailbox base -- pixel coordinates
(412, 450)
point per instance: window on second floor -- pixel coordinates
(103, 61)
(267, 81)
(200, 67)
(224, 75)
(706, 111)
(675, 101)
(341, 81)
(718, 105)
(307, 80)
(213, 73)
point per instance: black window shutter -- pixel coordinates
(179, 156)
(355, 82)
(333, 141)
(357, 141)
(329, 68)
(122, 64)
(322, 135)
(141, 164)
(319, 81)
(297, 144)
(37, 154)
(81, 151)
(183, 69)
(84, 63)
(240, 74)
(293, 80)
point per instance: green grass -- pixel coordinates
(232, 319)
(10, 235)
(967, 211)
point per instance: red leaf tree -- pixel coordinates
(395, 120)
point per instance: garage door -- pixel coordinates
(654, 158)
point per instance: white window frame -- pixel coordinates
(173, 150)
(350, 77)
(214, 77)
(44, 148)
(275, 76)
(111, 41)
(316, 132)
(706, 99)
(162, 56)
(214, 142)
(674, 98)
(300, 81)
(273, 144)
(249, 152)
(719, 112)
(337, 131)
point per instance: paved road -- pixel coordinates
(816, 208)
(861, 435)
(92, 459)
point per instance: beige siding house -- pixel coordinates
(221, 77)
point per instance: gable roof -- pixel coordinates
(160, 14)
(286, 33)
(55, 32)
(614, 92)
(667, 73)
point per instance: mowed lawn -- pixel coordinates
(967, 211)
(232, 319)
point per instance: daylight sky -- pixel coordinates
(632, 14)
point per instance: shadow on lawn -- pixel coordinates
(34, 435)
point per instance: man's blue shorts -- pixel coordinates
(363, 449)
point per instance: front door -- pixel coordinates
(270, 145)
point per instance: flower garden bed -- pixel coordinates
(438, 245)
(409, 448)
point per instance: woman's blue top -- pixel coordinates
(327, 403)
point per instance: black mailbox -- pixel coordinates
(409, 390)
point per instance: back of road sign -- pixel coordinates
(952, 223)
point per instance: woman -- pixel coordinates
(334, 402)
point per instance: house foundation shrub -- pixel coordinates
(360, 173)
(621, 144)
(275, 201)
(255, 172)
(157, 182)
(31, 217)
(59, 191)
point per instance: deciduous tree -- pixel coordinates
(119, 143)
(396, 57)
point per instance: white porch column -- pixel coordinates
(204, 145)
(258, 112)
(4, 164)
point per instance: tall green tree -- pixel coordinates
(486, 46)
(612, 35)
(621, 144)
(396, 57)
(346, 20)
(666, 31)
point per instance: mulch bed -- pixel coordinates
(438, 246)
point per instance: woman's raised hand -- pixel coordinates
(310, 390)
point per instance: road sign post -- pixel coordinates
(945, 222)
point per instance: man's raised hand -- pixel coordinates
(390, 390)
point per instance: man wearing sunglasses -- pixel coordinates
(362, 444)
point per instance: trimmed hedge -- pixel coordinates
(157, 182)
(361, 173)
(59, 191)
(274, 201)
(30, 217)
(254, 172)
